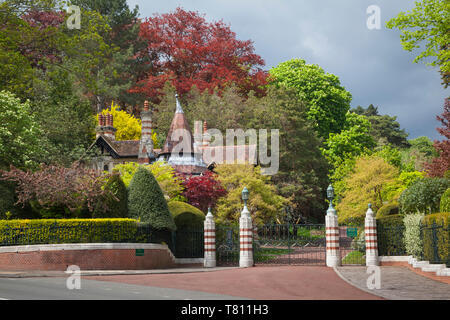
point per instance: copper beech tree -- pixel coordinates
(51, 186)
(441, 164)
(184, 49)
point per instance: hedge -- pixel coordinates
(185, 215)
(390, 231)
(146, 201)
(436, 238)
(388, 209)
(52, 231)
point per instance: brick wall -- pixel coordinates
(44, 258)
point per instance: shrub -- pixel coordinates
(436, 238)
(412, 238)
(203, 191)
(390, 231)
(424, 195)
(46, 231)
(388, 210)
(114, 204)
(146, 201)
(55, 188)
(185, 215)
(170, 183)
(445, 201)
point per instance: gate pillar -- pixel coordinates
(332, 239)
(210, 241)
(333, 255)
(245, 235)
(370, 229)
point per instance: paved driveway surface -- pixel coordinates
(265, 283)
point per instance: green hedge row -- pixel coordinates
(436, 238)
(390, 230)
(50, 231)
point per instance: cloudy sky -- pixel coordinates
(371, 64)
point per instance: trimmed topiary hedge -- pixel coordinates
(388, 210)
(186, 216)
(390, 233)
(146, 201)
(436, 238)
(445, 201)
(56, 231)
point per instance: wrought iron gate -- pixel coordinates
(294, 244)
(227, 245)
(352, 245)
(188, 243)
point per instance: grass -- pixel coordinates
(354, 257)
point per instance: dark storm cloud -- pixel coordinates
(371, 64)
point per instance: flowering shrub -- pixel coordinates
(413, 241)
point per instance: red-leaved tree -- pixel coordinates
(441, 164)
(56, 186)
(186, 50)
(203, 191)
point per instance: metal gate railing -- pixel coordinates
(292, 244)
(227, 245)
(352, 245)
(188, 243)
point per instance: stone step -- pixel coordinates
(443, 272)
(433, 267)
(420, 264)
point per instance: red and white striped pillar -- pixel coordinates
(333, 258)
(245, 239)
(370, 230)
(210, 241)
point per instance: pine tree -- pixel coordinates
(146, 201)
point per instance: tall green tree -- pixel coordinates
(327, 100)
(19, 133)
(384, 128)
(427, 24)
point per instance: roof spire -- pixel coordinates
(179, 108)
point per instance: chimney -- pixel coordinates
(108, 130)
(206, 135)
(146, 154)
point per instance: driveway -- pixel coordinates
(262, 283)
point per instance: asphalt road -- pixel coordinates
(52, 288)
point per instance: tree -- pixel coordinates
(64, 116)
(327, 101)
(418, 155)
(427, 23)
(352, 141)
(384, 128)
(122, 69)
(365, 185)
(146, 201)
(114, 204)
(19, 133)
(185, 49)
(423, 196)
(441, 163)
(203, 191)
(264, 204)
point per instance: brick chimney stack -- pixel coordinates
(106, 126)
(146, 154)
